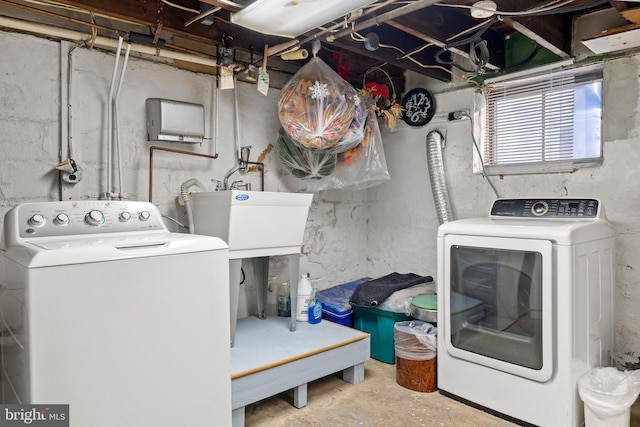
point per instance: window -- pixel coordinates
(543, 123)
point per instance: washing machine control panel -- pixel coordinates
(77, 218)
(546, 208)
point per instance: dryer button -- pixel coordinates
(539, 208)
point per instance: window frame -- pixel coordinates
(552, 73)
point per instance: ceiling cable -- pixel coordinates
(324, 31)
(505, 13)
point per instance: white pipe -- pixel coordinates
(100, 41)
(214, 114)
(237, 117)
(117, 122)
(110, 118)
(69, 97)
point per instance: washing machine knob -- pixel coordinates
(124, 216)
(36, 220)
(94, 217)
(144, 216)
(539, 208)
(61, 219)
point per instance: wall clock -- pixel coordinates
(418, 107)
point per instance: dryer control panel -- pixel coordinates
(546, 208)
(80, 218)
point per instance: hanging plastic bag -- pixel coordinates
(301, 162)
(355, 133)
(364, 165)
(317, 107)
(359, 168)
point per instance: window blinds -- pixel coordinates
(529, 123)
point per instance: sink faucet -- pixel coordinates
(241, 165)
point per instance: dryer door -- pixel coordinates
(498, 303)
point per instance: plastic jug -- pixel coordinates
(304, 295)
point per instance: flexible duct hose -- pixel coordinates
(185, 195)
(436, 175)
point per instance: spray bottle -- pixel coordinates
(315, 307)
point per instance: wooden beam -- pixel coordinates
(147, 13)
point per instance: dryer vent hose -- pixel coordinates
(436, 175)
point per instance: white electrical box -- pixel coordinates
(174, 121)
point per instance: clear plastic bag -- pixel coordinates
(317, 108)
(301, 162)
(359, 168)
(608, 392)
(415, 340)
(400, 301)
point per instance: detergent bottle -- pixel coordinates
(304, 295)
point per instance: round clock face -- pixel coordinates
(418, 107)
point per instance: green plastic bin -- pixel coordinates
(380, 324)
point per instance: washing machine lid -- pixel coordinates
(69, 251)
(74, 232)
(564, 221)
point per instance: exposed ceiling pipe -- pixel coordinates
(393, 14)
(100, 41)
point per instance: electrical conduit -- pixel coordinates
(117, 123)
(110, 119)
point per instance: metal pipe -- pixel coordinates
(170, 150)
(101, 41)
(58, 16)
(401, 11)
(261, 166)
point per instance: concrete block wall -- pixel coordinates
(33, 119)
(404, 207)
(349, 234)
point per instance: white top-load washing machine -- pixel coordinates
(103, 309)
(525, 306)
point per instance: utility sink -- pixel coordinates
(257, 225)
(253, 223)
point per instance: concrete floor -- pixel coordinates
(377, 401)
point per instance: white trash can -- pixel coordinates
(608, 394)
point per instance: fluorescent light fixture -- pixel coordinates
(290, 18)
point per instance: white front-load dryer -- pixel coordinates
(525, 307)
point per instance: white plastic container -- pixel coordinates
(608, 395)
(305, 290)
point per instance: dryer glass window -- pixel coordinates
(496, 304)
